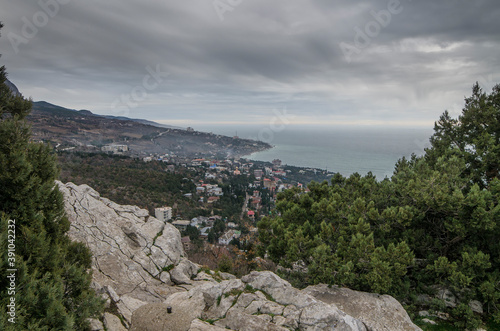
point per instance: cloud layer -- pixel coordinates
(380, 62)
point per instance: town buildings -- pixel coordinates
(115, 149)
(181, 225)
(163, 214)
(228, 236)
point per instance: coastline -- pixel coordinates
(346, 150)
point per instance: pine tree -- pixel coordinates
(50, 272)
(475, 136)
(435, 222)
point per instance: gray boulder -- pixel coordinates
(183, 272)
(236, 320)
(198, 325)
(154, 317)
(113, 323)
(95, 325)
(279, 289)
(377, 312)
(130, 249)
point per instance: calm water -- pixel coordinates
(339, 149)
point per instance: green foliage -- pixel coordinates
(249, 289)
(435, 222)
(475, 136)
(225, 264)
(192, 232)
(129, 181)
(216, 231)
(52, 279)
(440, 326)
(168, 267)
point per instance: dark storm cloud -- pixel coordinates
(262, 55)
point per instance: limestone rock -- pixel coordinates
(279, 289)
(113, 323)
(449, 298)
(154, 317)
(129, 247)
(203, 276)
(279, 320)
(428, 321)
(476, 306)
(112, 293)
(183, 272)
(240, 321)
(198, 325)
(309, 314)
(127, 305)
(245, 299)
(271, 308)
(322, 316)
(254, 307)
(227, 276)
(207, 300)
(220, 308)
(377, 312)
(211, 292)
(186, 306)
(95, 325)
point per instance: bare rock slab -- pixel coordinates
(130, 249)
(113, 323)
(377, 312)
(198, 325)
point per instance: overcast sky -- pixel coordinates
(195, 62)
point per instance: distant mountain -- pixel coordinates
(46, 106)
(82, 130)
(71, 129)
(43, 105)
(12, 87)
(138, 120)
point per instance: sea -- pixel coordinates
(342, 149)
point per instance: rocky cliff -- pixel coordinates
(140, 267)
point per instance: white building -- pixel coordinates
(164, 213)
(214, 190)
(115, 148)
